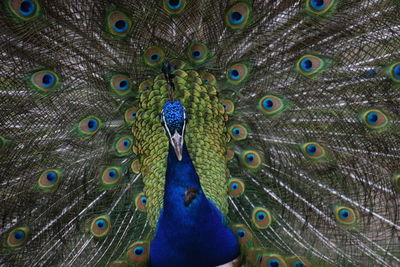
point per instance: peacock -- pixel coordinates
(200, 133)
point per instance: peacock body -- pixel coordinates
(197, 133)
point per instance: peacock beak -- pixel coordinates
(177, 144)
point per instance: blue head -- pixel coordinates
(174, 121)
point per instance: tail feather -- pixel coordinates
(317, 103)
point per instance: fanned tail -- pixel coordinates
(310, 90)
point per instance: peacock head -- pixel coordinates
(173, 118)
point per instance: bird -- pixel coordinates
(200, 133)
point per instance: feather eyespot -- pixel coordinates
(118, 24)
(242, 233)
(230, 154)
(228, 105)
(237, 73)
(120, 84)
(174, 7)
(49, 179)
(394, 72)
(153, 56)
(208, 78)
(136, 166)
(261, 218)
(251, 159)
(138, 252)
(146, 86)
(17, 237)
(296, 261)
(271, 105)
(130, 115)
(89, 126)
(313, 150)
(25, 9)
(141, 202)
(111, 175)
(345, 215)
(272, 260)
(100, 226)
(375, 119)
(238, 132)
(320, 7)
(238, 16)
(123, 146)
(310, 65)
(235, 187)
(197, 53)
(45, 81)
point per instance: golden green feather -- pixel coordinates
(205, 137)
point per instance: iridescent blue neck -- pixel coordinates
(191, 230)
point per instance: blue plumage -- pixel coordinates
(194, 233)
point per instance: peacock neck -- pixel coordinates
(183, 191)
(189, 223)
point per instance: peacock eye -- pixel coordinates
(394, 72)
(197, 53)
(51, 177)
(238, 132)
(92, 124)
(110, 176)
(174, 7)
(141, 201)
(243, 233)
(261, 218)
(310, 66)
(251, 159)
(49, 180)
(121, 25)
(100, 226)
(120, 84)
(138, 253)
(27, 8)
(237, 73)
(375, 119)
(17, 237)
(272, 260)
(123, 145)
(317, 4)
(153, 56)
(118, 24)
(306, 65)
(208, 78)
(271, 105)
(236, 187)
(130, 115)
(228, 105)
(238, 16)
(320, 7)
(273, 263)
(24, 10)
(45, 81)
(345, 215)
(313, 150)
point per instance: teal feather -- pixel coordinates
(315, 180)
